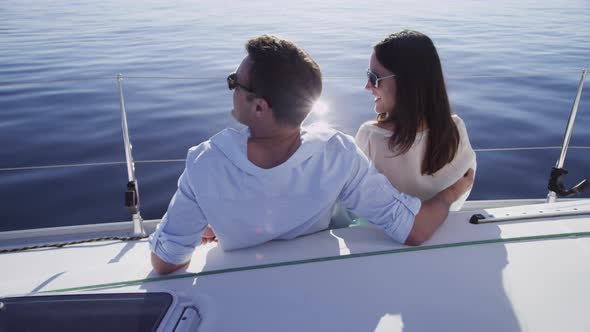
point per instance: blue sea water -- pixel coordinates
(512, 69)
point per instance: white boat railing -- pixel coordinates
(132, 193)
(558, 172)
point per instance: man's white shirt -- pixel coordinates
(247, 205)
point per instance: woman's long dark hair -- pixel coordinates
(421, 96)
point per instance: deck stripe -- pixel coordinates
(321, 259)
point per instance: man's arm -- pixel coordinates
(434, 211)
(180, 230)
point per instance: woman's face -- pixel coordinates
(385, 93)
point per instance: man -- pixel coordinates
(278, 180)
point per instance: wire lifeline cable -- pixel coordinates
(155, 161)
(107, 77)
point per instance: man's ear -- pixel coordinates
(262, 107)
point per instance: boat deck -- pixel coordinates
(529, 275)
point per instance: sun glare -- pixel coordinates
(320, 108)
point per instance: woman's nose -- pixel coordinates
(368, 86)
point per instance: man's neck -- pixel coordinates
(271, 147)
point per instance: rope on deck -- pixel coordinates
(63, 244)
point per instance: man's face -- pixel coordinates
(243, 100)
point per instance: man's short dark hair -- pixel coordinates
(286, 76)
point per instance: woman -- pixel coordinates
(416, 141)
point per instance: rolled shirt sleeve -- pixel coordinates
(369, 194)
(180, 230)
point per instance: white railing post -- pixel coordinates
(132, 193)
(551, 196)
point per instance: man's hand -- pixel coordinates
(457, 189)
(163, 267)
(208, 236)
(434, 211)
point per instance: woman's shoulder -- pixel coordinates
(458, 122)
(465, 154)
(460, 126)
(457, 119)
(373, 127)
(368, 124)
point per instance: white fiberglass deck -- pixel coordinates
(524, 275)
